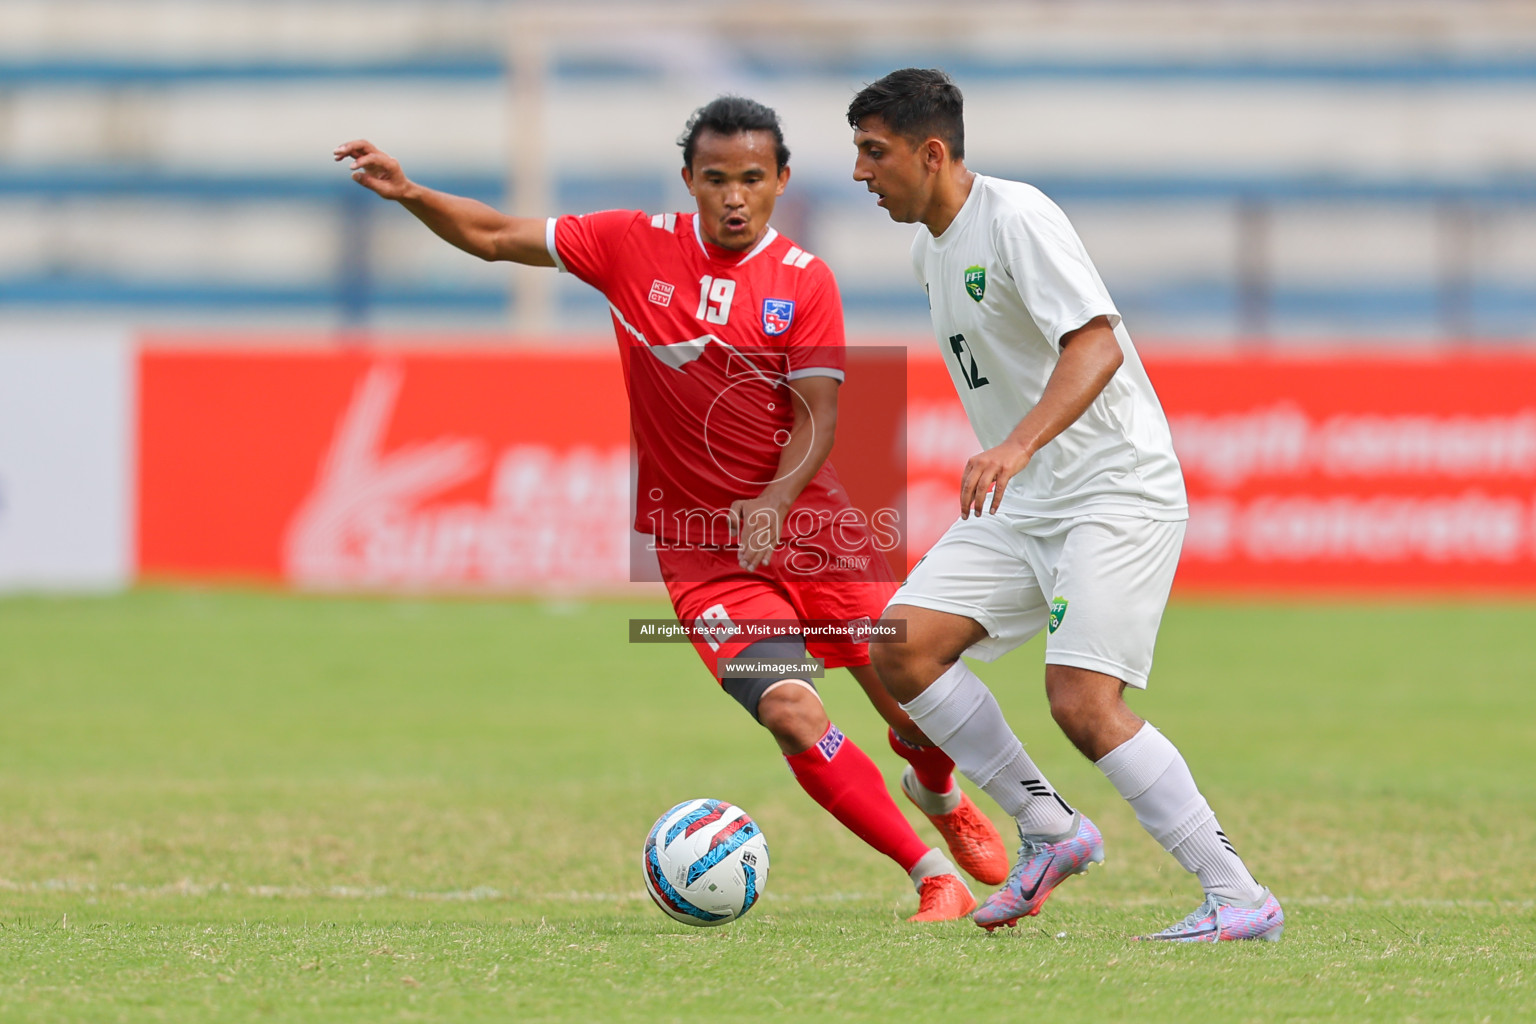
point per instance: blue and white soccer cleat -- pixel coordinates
(1215, 921)
(1041, 867)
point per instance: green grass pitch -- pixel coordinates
(230, 806)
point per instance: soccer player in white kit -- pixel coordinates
(1071, 519)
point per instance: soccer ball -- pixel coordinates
(705, 862)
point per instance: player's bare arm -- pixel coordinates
(1090, 356)
(478, 229)
(759, 521)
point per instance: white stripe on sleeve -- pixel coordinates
(549, 243)
(816, 371)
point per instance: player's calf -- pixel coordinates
(904, 670)
(793, 713)
(933, 642)
(1090, 709)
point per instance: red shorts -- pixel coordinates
(709, 589)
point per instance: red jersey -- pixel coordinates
(709, 339)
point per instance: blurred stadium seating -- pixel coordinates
(1346, 171)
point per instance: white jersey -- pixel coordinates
(1005, 281)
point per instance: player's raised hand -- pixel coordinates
(990, 471)
(374, 169)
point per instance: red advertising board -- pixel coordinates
(504, 470)
(1338, 473)
(358, 470)
(509, 469)
(1323, 473)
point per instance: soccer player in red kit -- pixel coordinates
(731, 339)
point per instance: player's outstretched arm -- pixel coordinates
(1090, 356)
(478, 229)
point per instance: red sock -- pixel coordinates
(933, 767)
(842, 778)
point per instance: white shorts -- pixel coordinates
(1097, 583)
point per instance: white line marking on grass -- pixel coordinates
(486, 893)
(187, 887)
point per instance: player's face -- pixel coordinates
(736, 180)
(892, 168)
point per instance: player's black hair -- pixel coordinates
(732, 115)
(917, 104)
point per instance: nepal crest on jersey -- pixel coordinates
(778, 314)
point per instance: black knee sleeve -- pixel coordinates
(748, 690)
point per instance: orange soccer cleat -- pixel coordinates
(943, 898)
(972, 839)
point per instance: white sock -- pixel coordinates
(959, 713)
(1152, 775)
(933, 864)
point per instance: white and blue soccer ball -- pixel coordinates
(705, 862)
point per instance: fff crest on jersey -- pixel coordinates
(778, 314)
(976, 282)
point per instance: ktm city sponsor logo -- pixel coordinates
(661, 293)
(831, 743)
